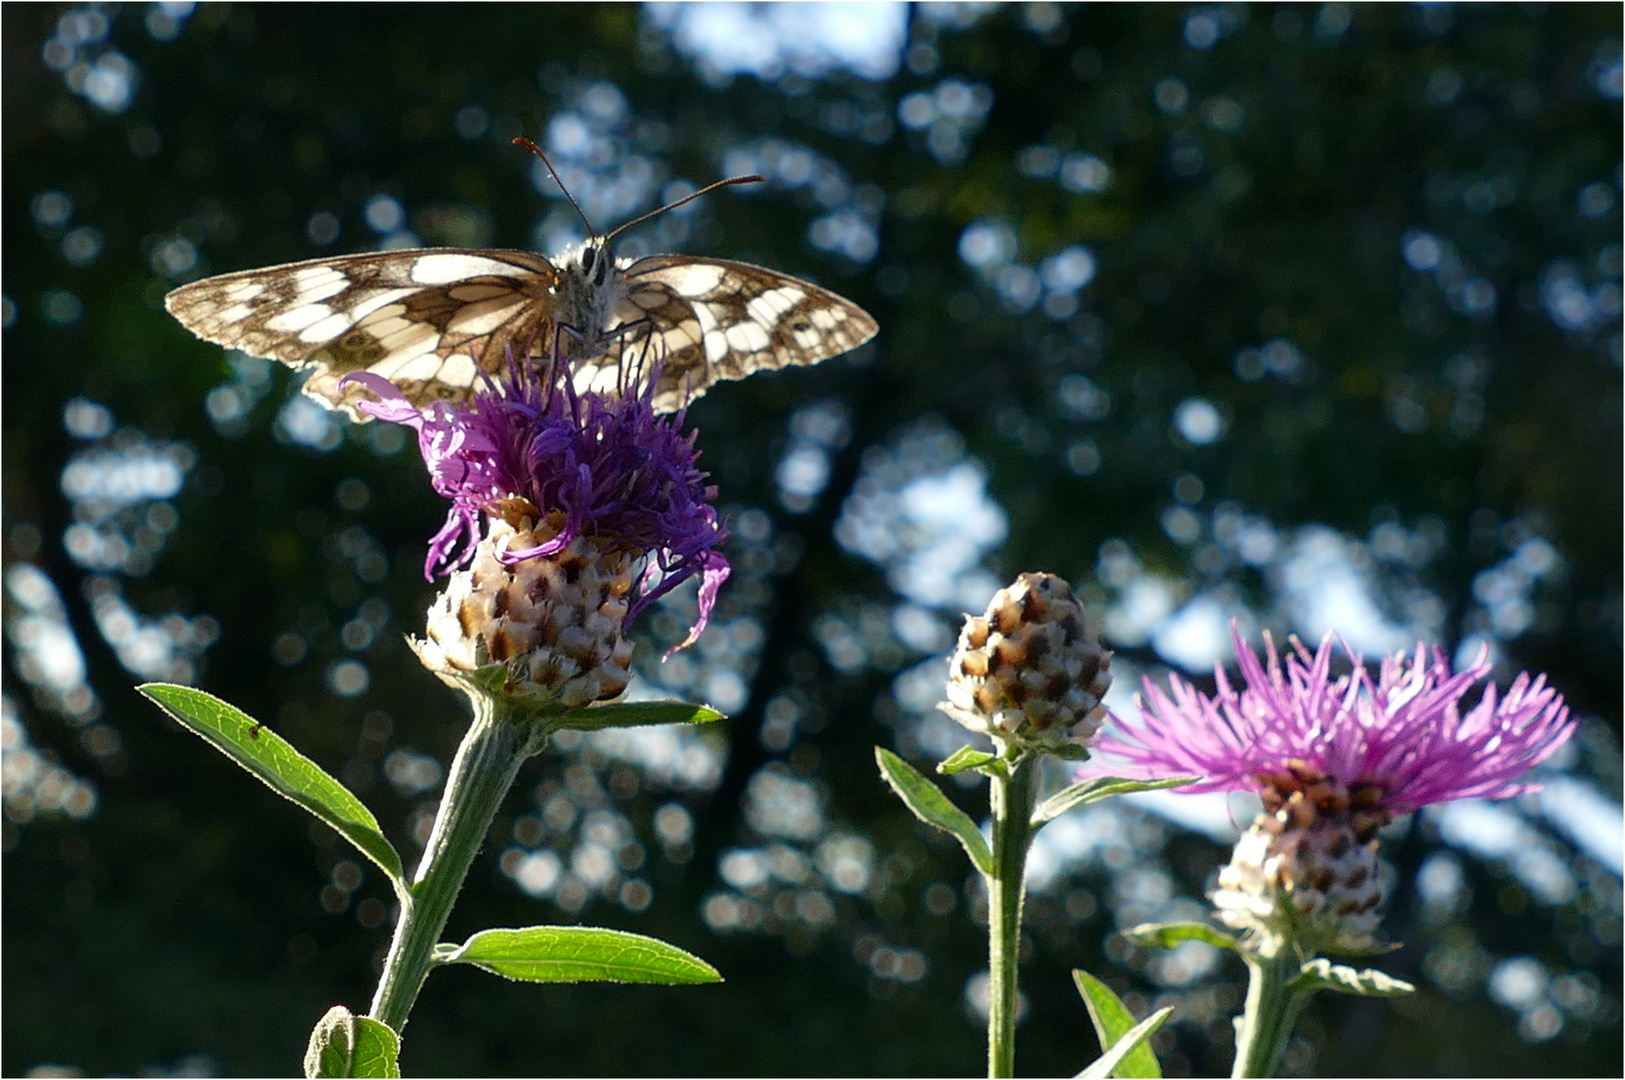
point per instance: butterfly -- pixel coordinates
(432, 320)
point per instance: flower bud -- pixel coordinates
(1030, 672)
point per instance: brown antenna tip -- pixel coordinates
(537, 150)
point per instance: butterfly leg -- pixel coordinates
(632, 374)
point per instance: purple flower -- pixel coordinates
(592, 464)
(1404, 736)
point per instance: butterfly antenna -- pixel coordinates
(537, 150)
(753, 179)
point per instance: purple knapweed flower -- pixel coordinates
(607, 462)
(558, 498)
(1334, 760)
(1405, 735)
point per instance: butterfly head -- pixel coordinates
(595, 260)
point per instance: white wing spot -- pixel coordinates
(684, 334)
(704, 318)
(697, 280)
(236, 313)
(243, 291)
(328, 329)
(405, 351)
(485, 316)
(459, 370)
(423, 367)
(386, 325)
(716, 345)
(377, 301)
(412, 340)
(767, 307)
(825, 318)
(296, 319)
(602, 379)
(443, 268)
(808, 339)
(748, 337)
(318, 283)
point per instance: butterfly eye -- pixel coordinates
(604, 263)
(588, 255)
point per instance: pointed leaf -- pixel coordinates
(1134, 1039)
(1167, 935)
(1322, 974)
(568, 954)
(931, 806)
(269, 757)
(966, 757)
(1095, 789)
(634, 714)
(1112, 1022)
(1068, 751)
(344, 1044)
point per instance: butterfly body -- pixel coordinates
(432, 320)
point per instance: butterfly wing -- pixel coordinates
(717, 319)
(428, 320)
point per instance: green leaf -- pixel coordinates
(633, 714)
(1322, 974)
(286, 771)
(1112, 1022)
(1101, 787)
(569, 954)
(931, 806)
(966, 757)
(1167, 935)
(344, 1044)
(1134, 1039)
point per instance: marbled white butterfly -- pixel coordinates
(431, 320)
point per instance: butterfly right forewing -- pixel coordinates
(716, 319)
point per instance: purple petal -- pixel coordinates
(1403, 733)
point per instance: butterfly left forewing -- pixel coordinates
(716, 319)
(430, 320)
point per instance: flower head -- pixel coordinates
(1306, 871)
(1030, 672)
(589, 464)
(558, 498)
(1396, 743)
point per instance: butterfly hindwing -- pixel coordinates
(427, 320)
(717, 319)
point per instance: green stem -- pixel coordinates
(497, 743)
(1272, 1009)
(1012, 798)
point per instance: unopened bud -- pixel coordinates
(1031, 670)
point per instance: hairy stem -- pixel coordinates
(1272, 1009)
(497, 743)
(1012, 799)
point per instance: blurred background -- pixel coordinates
(1306, 316)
